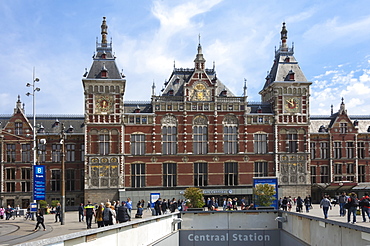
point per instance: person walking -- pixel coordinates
(353, 204)
(299, 203)
(158, 206)
(57, 213)
(342, 200)
(365, 206)
(89, 212)
(2, 212)
(17, 211)
(129, 205)
(325, 204)
(123, 215)
(40, 220)
(307, 204)
(81, 213)
(108, 214)
(99, 216)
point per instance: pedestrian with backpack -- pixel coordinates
(365, 206)
(352, 207)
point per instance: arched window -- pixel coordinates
(200, 135)
(169, 135)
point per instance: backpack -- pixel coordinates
(365, 202)
(354, 202)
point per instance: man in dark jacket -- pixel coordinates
(81, 212)
(123, 214)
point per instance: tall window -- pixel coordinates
(55, 180)
(137, 175)
(10, 186)
(313, 174)
(169, 135)
(82, 152)
(26, 186)
(337, 150)
(324, 173)
(350, 150)
(200, 135)
(361, 173)
(104, 144)
(138, 144)
(10, 152)
(70, 179)
(200, 174)
(324, 150)
(231, 173)
(70, 152)
(42, 153)
(26, 173)
(343, 127)
(230, 139)
(18, 128)
(313, 150)
(260, 143)
(338, 168)
(10, 173)
(350, 168)
(56, 150)
(292, 143)
(26, 152)
(360, 150)
(260, 169)
(169, 174)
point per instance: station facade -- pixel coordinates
(196, 132)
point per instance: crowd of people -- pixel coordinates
(287, 203)
(348, 204)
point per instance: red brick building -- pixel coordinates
(195, 133)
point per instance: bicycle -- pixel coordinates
(27, 216)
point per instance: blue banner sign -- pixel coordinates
(270, 181)
(38, 182)
(153, 198)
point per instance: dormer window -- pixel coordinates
(355, 123)
(259, 110)
(70, 129)
(322, 129)
(224, 93)
(104, 55)
(56, 123)
(137, 109)
(177, 80)
(104, 71)
(290, 76)
(170, 92)
(287, 59)
(41, 129)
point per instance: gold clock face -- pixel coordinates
(200, 93)
(103, 103)
(292, 104)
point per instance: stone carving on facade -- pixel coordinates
(200, 120)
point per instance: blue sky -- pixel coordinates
(331, 42)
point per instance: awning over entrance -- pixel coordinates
(337, 186)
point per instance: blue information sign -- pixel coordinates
(39, 182)
(270, 181)
(153, 198)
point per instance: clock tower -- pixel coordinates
(287, 90)
(104, 87)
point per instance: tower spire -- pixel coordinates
(245, 87)
(199, 59)
(104, 31)
(284, 37)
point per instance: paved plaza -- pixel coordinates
(19, 231)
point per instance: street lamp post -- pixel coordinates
(33, 94)
(62, 133)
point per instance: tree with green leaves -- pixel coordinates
(264, 194)
(195, 196)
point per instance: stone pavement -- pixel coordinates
(18, 231)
